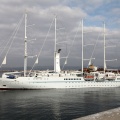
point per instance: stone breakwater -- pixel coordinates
(113, 114)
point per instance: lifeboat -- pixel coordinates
(89, 77)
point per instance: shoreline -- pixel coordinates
(113, 114)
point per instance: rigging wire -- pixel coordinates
(41, 47)
(71, 46)
(12, 36)
(1, 46)
(94, 48)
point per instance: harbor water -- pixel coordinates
(56, 104)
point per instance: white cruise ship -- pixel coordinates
(51, 79)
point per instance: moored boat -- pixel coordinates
(53, 79)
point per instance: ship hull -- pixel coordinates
(30, 83)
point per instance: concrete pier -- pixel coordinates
(113, 114)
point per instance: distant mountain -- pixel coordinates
(39, 68)
(48, 68)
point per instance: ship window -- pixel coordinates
(79, 75)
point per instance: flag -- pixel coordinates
(105, 66)
(66, 61)
(36, 62)
(4, 61)
(89, 62)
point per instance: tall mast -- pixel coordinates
(82, 44)
(55, 48)
(25, 46)
(104, 47)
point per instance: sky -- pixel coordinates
(40, 31)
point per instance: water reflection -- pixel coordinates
(56, 104)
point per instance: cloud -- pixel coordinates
(69, 14)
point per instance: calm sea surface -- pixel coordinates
(56, 104)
